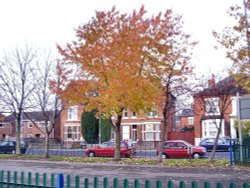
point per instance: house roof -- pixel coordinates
(185, 113)
(227, 86)
(35, 116)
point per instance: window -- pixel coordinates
(2, 125)
(134, 114)
(125, 132)
(212, 106)
(152, 113)
(72, 133)
(69, 133)
(72, 113)
(134, 132)
(209, 128)
(125, 113)
(41, 124)
(190, 120)
(155, 113)
(151, 132)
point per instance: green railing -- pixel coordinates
(9, 180)
(245, 159)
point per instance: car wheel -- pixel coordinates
(164, 156)
(196, 155)
(91, 154)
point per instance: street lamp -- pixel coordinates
(100, 128)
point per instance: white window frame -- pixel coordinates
(151, 132)
(75, 130)
(209, 125)
(190, 120)
(213, 105)
(125, 132)
(41, 124)
(72, 113)
(125, 113)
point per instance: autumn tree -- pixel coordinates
(173, 69)
(236, 40)
(17, 84)
(124, 61)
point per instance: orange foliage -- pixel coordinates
(123, 59)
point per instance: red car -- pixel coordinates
(107, 149)
(182, 149)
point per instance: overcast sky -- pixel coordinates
(47, 22)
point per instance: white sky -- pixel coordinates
(47, 22)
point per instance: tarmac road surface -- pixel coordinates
(132, 172)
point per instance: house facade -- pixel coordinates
(133, 127)
(209, 105)
(70, 119)
(33, 126)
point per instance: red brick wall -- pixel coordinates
(187, 136)
(8, 130)
(198, 113)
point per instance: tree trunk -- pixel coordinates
(18, 133)
(46, 145)
(164, 129)
(117, 155)
(216, 142)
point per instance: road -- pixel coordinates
(132, 172)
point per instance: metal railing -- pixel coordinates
(8, 179)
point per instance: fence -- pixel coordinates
(245, 160)
(13, 180)
(186, 135)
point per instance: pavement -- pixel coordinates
(112, 170)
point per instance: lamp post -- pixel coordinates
(100, 128)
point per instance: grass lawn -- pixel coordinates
(130, 161)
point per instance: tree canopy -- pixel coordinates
(237, 43)
(126, 61)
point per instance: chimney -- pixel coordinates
(211, 82)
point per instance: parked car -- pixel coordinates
(83, 144)
(181, 149)
(107, 149)
(223, 144)
(9, 146)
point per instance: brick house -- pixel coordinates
(32, 126)
(70, 119)
(7, 128)
(208, 105)
(185, 120)
(147, 128)
(134, 127)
